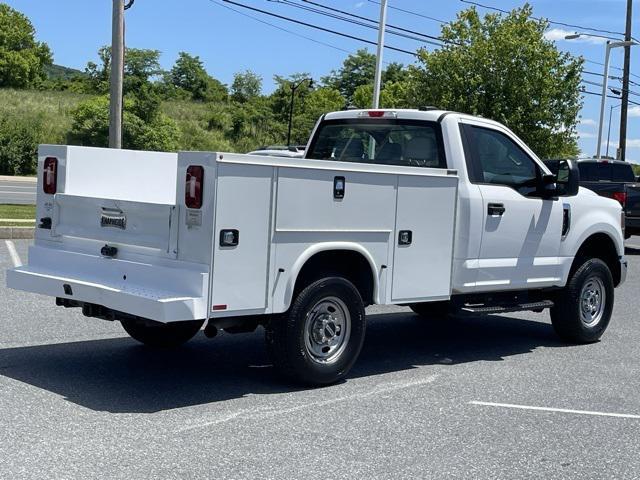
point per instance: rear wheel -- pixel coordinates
(582, 310)
(162, 335)
(319, 339)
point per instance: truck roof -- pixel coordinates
(431, 114)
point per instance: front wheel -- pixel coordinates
(162, 335)
(319, 339)
(583, 308)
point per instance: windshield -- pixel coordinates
(379, 141)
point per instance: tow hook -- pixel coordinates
(108, 251)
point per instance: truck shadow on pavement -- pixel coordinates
(120, 376)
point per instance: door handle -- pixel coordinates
(495, 209)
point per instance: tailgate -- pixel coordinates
(126, 223)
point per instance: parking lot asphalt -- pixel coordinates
(17, 192)
(497, 397)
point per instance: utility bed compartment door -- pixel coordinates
(140, 224)
(424, 235)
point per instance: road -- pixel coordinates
(17, 191)
(428, 398)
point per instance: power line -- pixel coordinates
(608, 96)
(402, 29)
(360, 23)
(280, 28)
(581, 27)
(613, 67)
(416, 14)
(317, 27)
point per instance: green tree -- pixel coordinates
(90, 126)
(393, 95)
(189, 74)
(246, 86)
(22, 58)
(502, 67)
(140, 67)
(316, 103)
(359, 69)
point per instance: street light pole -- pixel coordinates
(609, 133)
(294, 87)
(605, 81)
(603, 100)
(117, 75)
(378, 76)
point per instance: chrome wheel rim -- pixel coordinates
(327, 330)
(593, 298)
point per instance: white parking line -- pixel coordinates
(15, 258)
(557, 410)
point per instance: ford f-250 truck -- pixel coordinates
(435, 210)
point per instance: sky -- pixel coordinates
(230, 39)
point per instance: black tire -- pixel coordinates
(162, 335)
(437, 310)
(567, 316)
(288, 341)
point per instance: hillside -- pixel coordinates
(53, 110)
(58, 72)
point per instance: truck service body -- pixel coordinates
(427, 208)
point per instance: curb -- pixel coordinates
(16, 233)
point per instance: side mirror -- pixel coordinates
(567, 176)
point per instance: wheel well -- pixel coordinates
(349, 264)
(600, 245)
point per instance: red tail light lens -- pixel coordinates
(621, 197)
(194, 186)
(50, 175)
(376, 113)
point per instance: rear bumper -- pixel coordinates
(157, 292)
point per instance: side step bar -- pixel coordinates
(518, 307)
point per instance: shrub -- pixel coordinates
(90, 126)
(19, 146)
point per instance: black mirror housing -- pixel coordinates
(567, 176)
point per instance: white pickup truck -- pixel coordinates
(443, 212)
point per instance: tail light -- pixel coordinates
(194, 186)
(620, 197)
(50, 175)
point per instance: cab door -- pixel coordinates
(522, 229)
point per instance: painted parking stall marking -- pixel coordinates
(555, 410)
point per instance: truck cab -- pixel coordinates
(443, 212)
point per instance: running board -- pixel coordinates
(519, 307)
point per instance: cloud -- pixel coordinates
(556, 34)
(586, 135)
(631, 143)
(359, 5)
(634, 111)
(589, 122)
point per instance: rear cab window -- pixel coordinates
(605, 172)
(411, 143)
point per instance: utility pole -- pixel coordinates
(625, 85)
(378, 77)
(117, 75)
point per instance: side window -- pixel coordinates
(499, 160)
